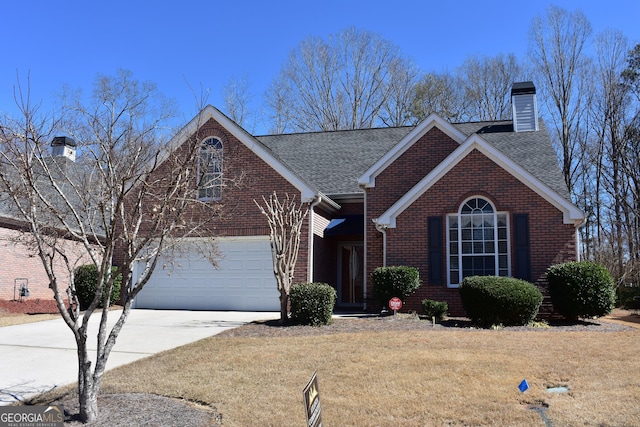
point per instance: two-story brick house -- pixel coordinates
(452, 199)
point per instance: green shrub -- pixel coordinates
(86, 281)
(389, 282)
(581, 289)
(312, 303)
(493, 300)
(437, 309)
(628, 297)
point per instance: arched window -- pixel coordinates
(210, 169)
(478, 241)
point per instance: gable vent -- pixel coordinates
(524, 107)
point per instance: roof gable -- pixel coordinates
(571, 214)
(434, 120)
(531, 150)
(307, 192)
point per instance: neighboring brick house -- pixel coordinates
(452, 199)
(20, 264)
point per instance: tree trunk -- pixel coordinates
(87, 390)
(88, 405)
(284, 307)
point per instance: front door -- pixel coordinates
(350, 274)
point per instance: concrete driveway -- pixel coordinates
(40, 356)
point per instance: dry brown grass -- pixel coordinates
(10, 319)
(414, 378)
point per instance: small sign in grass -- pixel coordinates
(523, 386)
(312, 407)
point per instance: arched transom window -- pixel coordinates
(478, 241)
(210, 169)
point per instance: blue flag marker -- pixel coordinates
(524, 386)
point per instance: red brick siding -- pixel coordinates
(19, 261)
(551, 241)
(398, 178)
(413, 165)
(247, 178)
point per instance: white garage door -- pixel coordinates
(244, 280)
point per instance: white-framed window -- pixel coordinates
(477, 241)
(210, 169)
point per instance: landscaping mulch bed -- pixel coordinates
(29, 306)
(137, 409)
(407, 322)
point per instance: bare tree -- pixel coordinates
(129, 191)
(237, 99)
(440, 94)
(631, 160)
(487, 83)
(396, 110)
(280, 109)
(557, 53)
(341, 83)
(285, 219)
(609, 111)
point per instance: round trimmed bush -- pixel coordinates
(437, 309)
(86, 281)
(493, 300)
(397, 281)
(312, 303)
(581, 289)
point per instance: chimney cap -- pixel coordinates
(523, 88)
(63, 140)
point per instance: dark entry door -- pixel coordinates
(351, 274)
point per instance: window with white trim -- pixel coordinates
(210, 169)
(477, 242)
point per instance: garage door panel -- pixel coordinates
(243, 281)
(234, 265)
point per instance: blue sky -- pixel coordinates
(206, 43)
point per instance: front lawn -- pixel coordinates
(439, 377)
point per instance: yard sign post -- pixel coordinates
(312, 408)
(395, 304)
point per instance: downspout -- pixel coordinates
(364, 256)
(315, 202)
(383, 230)
(579, 225)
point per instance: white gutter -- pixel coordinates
(316, 201)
